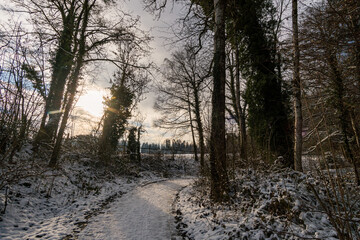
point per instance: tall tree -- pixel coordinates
(73, 81)
(267, 102)
(128, 85)
(219, 177)
(62, 61)
(115, 119)
(218, 169)
(297, 90)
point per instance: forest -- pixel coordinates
(261, 98)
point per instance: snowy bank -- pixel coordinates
(263, 205)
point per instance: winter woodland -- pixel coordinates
(258, 103)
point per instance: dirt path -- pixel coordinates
(144, 213)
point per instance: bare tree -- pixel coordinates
(60, 23)
(180, 99)
(327, 48)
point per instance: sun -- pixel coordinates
(92, 102)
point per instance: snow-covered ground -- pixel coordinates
(45, 203)
(33, 212)
(266, 206)
(82, 199)
(144, 213)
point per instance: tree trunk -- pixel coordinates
(192, 133)
(61, 67)
(297, 91)
(138, 150)
(219, 178)
(200, 129)
(74, 80)
(355, 128)
(59, 138)
(243, 143)
(241, 114)
(107, 143)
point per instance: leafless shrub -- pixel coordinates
(21, 86)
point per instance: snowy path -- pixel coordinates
(144, 213)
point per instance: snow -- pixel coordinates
(45, 203)
(32, 214)
(82, 199)
(144, 213)
(264, 205)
